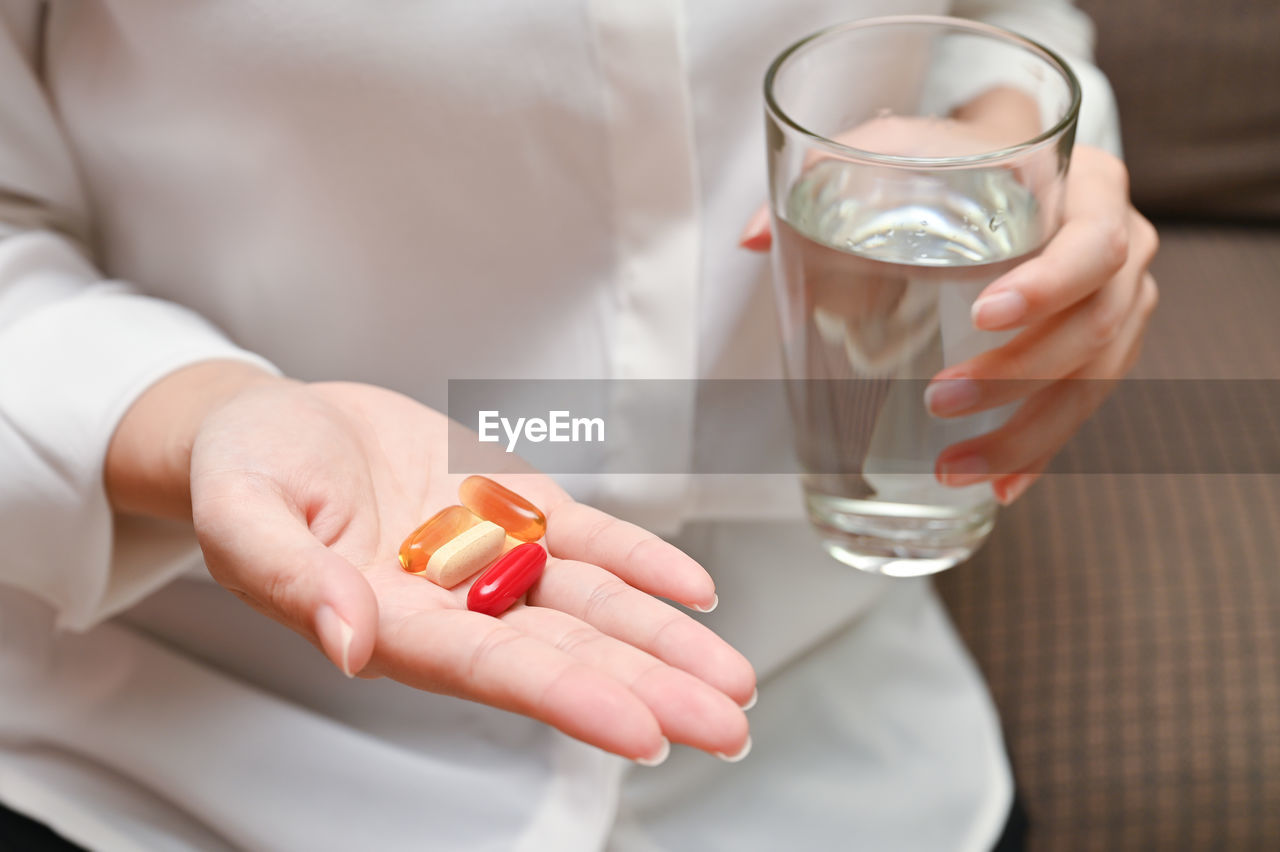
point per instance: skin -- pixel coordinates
(1081, 305)
(300, 495)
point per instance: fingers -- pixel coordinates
(1076, 339)
(487, 660)
(1048, 419)
(1009, 488)
(1040, 427)
(601, 599)
(524, 666)
(688, 710)
(259, 548)
(1035, 358)
(579, 532)
(1092, 245)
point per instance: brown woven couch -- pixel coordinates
(1129, 624)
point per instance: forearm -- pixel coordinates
(148, 463)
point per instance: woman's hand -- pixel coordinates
(301, 496)
(1082, 304)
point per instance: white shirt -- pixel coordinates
(351, 191)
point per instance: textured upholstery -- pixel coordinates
(1129, 625)
(1198, 84)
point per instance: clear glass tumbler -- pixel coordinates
(912, 160)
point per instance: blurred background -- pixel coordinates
(1129, 625)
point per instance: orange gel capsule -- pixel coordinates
(443, 527)
(489, 500)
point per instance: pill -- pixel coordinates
(503, 507)
(465, 554)
(426, 539)
(507, 580)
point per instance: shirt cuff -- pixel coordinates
(69, 370)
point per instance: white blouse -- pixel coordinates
(355, 191)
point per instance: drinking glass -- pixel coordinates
(912, 161)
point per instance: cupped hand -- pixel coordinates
(301, 496)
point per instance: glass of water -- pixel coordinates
(912, 161)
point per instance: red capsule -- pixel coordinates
(507, 579)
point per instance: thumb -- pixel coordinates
(259, 548)
(756, 236)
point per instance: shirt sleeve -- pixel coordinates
(75, 351)
(1061, 27)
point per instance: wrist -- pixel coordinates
(148, 465)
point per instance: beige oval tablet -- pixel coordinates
(464, 555)
(510, 544)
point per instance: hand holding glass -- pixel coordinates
(912, 161)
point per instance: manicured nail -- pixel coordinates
(734, 758)
(715, 602)
(335, 635)
(659, 756)
(751, 702)
(1015, 487)
(965, 470)
(999, 310)
(951, 396)
(755, 235)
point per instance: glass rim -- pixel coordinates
(849, 152)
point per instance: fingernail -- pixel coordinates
(751, 702)
(659, 756)
(755, 235)
(950, 396)
(999, 309)
(715, 602)
(335, 635)
(734, 758)
(965, 470)
(1014, 488)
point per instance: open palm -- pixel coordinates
(301, 497)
